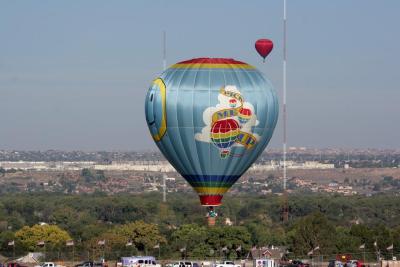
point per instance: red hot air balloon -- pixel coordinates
(264, 47)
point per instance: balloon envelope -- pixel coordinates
(264, 47)
(211, 118)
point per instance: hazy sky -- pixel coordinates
(73, 74)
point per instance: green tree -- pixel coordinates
(191, 236)
(345, 241)
(143, 235)
(2, 171)
(100, 176)
(231, 237)
(113, 248)
(52, 235)
(312, 231)
(265, 233)
(5, 238)
(384, 238)
(87, 175)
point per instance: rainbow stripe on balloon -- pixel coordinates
(211, 188)
(212, 63)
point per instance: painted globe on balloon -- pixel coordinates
(224, 134)
(211, 118)
(244, 115)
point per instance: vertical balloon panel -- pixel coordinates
(219, 115)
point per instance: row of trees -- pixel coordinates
(337, 225)
(138, 237)
(197, 241)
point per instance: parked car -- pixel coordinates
(335, 263)
(47, 264)
(227, 264)
(184, 264)
(264, 263)
(139, 261)
(14, 264)
(298, 263)
(354, 263)
(85, 264)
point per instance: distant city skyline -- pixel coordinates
(73, 75)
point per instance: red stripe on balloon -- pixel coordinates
(206, 60)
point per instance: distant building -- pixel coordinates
(272, 252)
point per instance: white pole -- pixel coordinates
(284, 96)
(164, 50)
(164, 68)
(164, 189)
(285, 214)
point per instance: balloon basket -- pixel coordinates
(211, 221)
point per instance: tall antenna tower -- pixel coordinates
(164, 199)
(164, 50)
(164, 68)
(285, 210)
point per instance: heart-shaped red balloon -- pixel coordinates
(264, 47)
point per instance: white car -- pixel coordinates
(139, 261)
(48, 264)
(227, 264)
(184, 264)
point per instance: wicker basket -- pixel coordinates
(211, 221)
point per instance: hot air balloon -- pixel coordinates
(232, 102)
(244, 115)
(223, 135)
(191, 118)
(264, 47)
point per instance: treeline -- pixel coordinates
(142, 224)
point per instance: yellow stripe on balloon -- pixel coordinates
(211, 190)
(245, 116)
(212, 66)
(225, 135)
(163, 93)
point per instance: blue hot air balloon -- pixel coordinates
(211, 118)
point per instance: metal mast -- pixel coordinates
(285, 212)
(164, 68)
(164, 189)
(164, 50)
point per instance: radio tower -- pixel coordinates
(164, 50)
(164, 68)
(285, 209)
